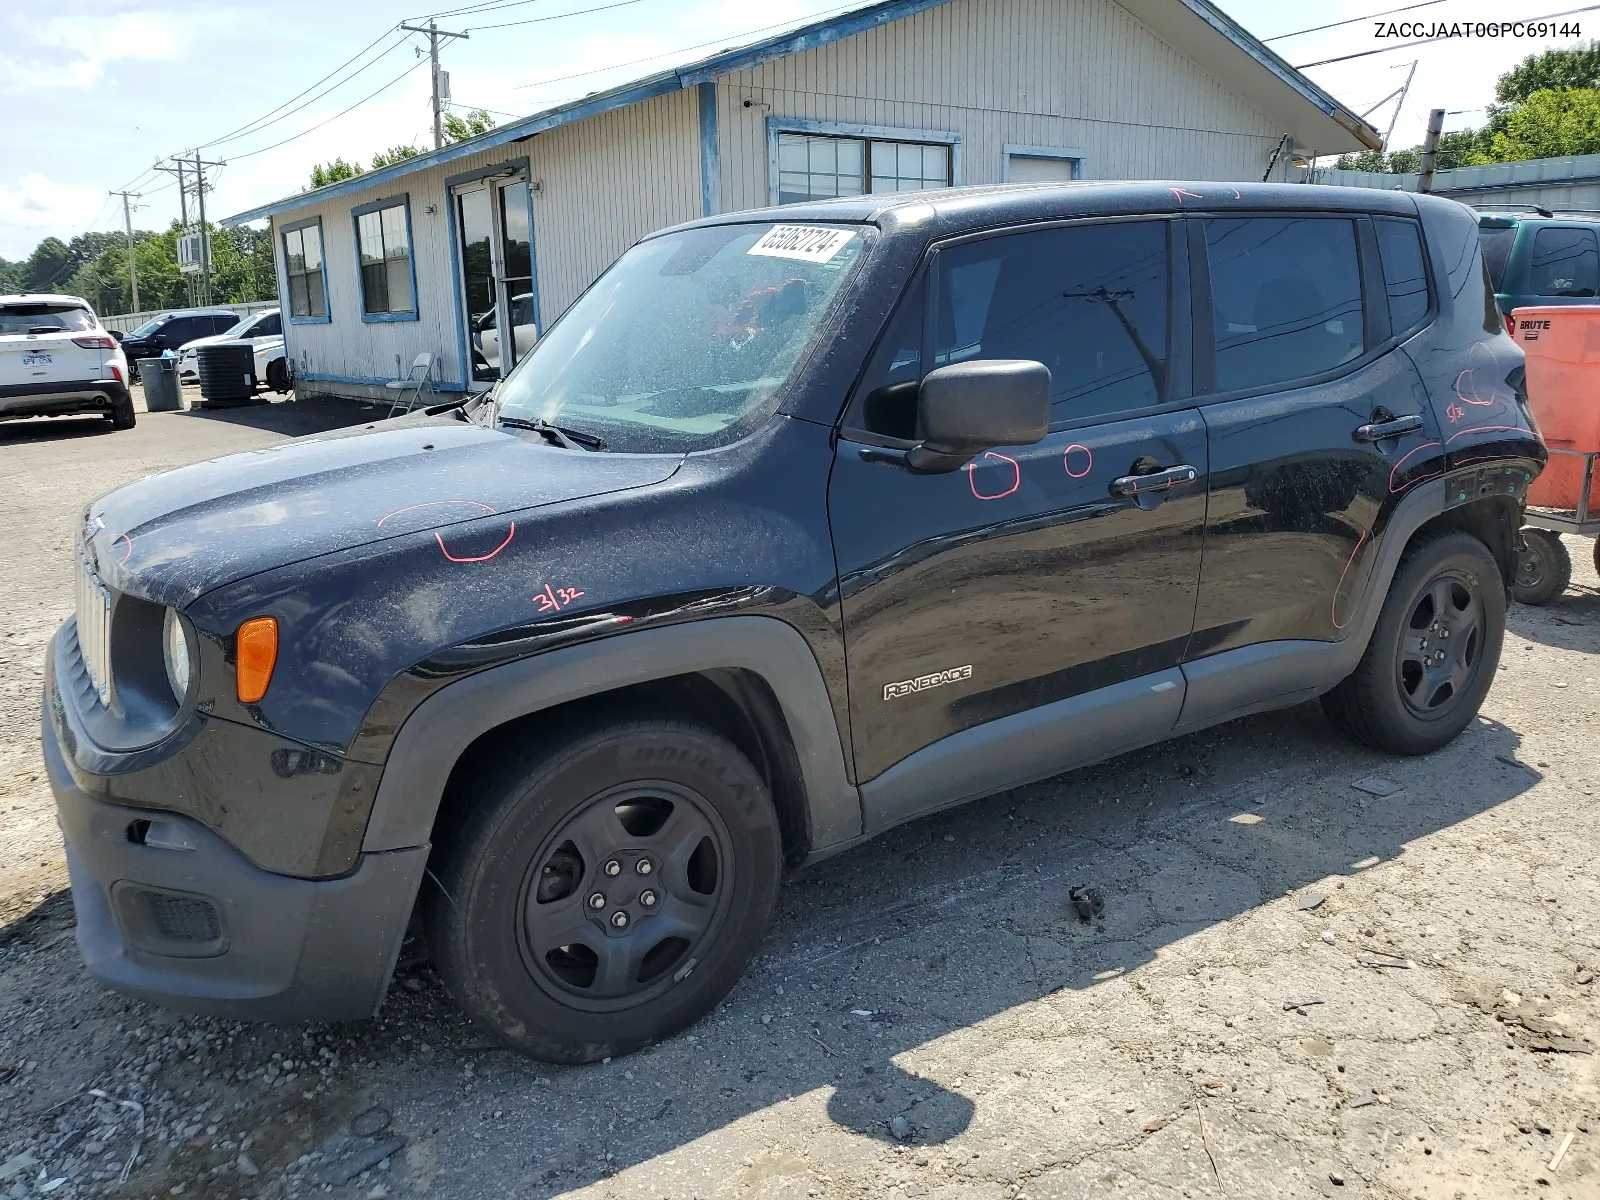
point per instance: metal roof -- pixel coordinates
(1197, 16)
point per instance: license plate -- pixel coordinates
(36, 360)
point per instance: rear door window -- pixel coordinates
(270, 325)
(1497, 245)
(1286, 298)
(1088, 301)
(1404, 278)
(1566, 262)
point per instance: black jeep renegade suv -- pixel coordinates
(799, 524)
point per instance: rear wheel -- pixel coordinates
(122, 415)
(278, 375)
(1433, 653)
(1544, 568)
(606, 890)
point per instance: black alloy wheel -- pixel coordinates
(627, 889)
(1433, 651)
(602, 884)
(1442, 648)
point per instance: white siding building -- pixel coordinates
(435, 254)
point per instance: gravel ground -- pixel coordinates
(1296, 988)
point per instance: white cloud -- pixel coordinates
(72, 52)
(36, 207)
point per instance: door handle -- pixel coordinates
(1392, 428)
(1157, 481)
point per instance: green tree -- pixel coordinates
(394, 154)
(459, 129)
(12, 275)
(338, 169)
(1550, 123)
(1575, 68)
(47, 266)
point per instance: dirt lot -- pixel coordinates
(927, 1018)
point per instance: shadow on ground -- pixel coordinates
(292, 418)
(52, 429)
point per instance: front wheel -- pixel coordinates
(1433, 653)
(1544, 568)
(278, 375)
(605, 889)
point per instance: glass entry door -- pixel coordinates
(495, 224)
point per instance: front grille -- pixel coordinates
(183, 918)
(94, 629)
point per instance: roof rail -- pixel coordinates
(1540, 209)
(1577, 212)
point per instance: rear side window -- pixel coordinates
(1286, 298)
(1404, 278)
(44, 318)
(269, 326)
(1088, 301)
(1566, 262)
(1496, 245)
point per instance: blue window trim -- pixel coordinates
(885, 133)
(457, 283)
(710, 158)
(283, 278)
(1010, 151)
(356, 213)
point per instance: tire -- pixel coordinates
(1597, 556)
(549, 834)
(1544, 568)
(278, 375)
(1403, 699)
(122, 415)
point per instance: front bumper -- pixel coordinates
(171, 913)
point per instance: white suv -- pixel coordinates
(263, 330)
(56, 358)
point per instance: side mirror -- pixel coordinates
(967, 408)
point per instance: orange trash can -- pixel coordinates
(1562, 344)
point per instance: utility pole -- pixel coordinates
(434, 34)
(127, 226)
(1430, 150)
(1404, 92)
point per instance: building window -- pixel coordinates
(1041, 164)
(383, 243)
(302, 256)
(821, 166)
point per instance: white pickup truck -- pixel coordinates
(56, 358)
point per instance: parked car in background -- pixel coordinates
(173, 330)
(487, 337)
(56, 358)
(257, 329)
(1539, 255)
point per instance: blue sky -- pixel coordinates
(94, 95)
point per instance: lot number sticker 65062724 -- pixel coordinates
(808, 243)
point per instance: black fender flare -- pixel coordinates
(441, 728)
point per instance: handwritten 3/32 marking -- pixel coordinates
(555, 599)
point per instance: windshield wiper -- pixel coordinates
(571, 439)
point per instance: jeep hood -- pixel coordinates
(174, 536)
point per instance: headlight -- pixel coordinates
(175, 649)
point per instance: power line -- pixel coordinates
(487, 6)
(1441, 38)
(335, 117)
(581, 12)
(1319, 28)
(268, 118)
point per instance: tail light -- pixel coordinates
(1511, 325)
(97, 341)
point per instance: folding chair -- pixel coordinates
(419, 377)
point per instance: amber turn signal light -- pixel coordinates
(257, 654)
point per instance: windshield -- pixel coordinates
(686, 336)
(25, 318)
(148, 327)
